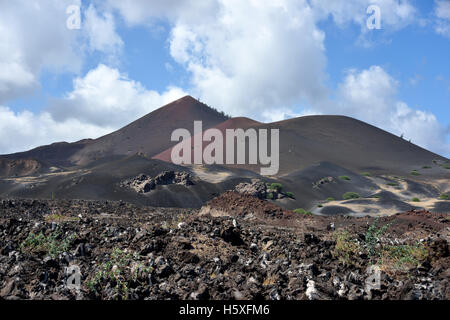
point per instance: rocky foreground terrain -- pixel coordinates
(236, 247)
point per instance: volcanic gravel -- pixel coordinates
(128, 252)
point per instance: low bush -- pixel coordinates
(302, 211)
(276, 186)
(53, 244)
(350, 195)
(393, 184)
(346, 247)
(290, 195)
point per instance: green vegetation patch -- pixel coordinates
(393, 184)
(403, 257)
(302, 211)
(350, 195)
(290, 195)
(371, 237)
(122, 269)
(346, 247)
(415, 199)
(276, 186)
(345, 178)
(53, 244)
(444, 197)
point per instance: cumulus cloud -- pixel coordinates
(38, 39)
(395, 14)
(371, 95)
(30, 130)
(102, 101)
(253, 58)
(442, 12)
(246, 57)
(105, 97)
(100, 30)
(34, 36)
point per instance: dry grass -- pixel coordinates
(56, 217)
(346, 247)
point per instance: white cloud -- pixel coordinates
(395, 14)
(102, 101)
(442, 12)
(34, 36)
(371, 95)
(443, 9)
(254, 57)
(104, 97)
(30, 130)
(100, 31)
(245, 56)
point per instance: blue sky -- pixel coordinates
(268, 62)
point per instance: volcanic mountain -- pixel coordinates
(321, 157)
(148, 135)
(341, 140)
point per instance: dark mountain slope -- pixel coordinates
(150, 134)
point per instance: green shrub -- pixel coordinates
(426, 167)
(372, 235)
(52, 245)
(444, 197)
(403, 257)
(350, 195)
(346, 247)
(393, 184)
(290, 195)
(446, 166)
(415, 199)
(345, 178)
(366, 174)
(276, 186)
(269, 196)
(122, 270)
(330, 199)
(302, 211)
(415, 173)
(319, 206)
